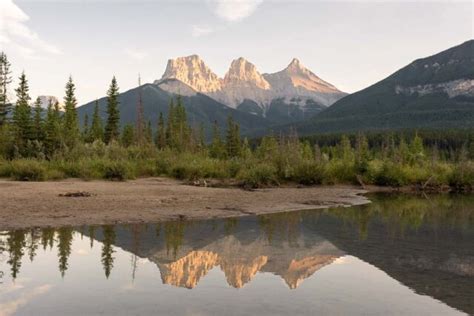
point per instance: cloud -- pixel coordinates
(136, 54)
(198, 31)
(234, 10)
(15, 32)
(10, 307)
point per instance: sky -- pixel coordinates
(351, 44)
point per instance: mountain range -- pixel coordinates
(432, 92)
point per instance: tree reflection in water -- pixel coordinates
(400, 234)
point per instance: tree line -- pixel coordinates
(38, 146)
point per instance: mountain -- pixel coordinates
(156, 97)
(47, 99)
(432, 92)
(286, 96)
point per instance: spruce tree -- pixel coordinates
(160, 139)
(216, 149)
(38, 128)
(5, 80)
(233, 138)
(149, 133)
(128, 135)
(71, 124)
(112, 131)
(85, 129)
(96, 130)
(52, 128)
(22, 114)
(170, 125)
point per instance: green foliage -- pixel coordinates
(128, 135)
(233, 144)
(96, 132)
(22, 115)
(5, 80)
(70, 126)
(112, 129)
(28, 170)
(258, 175)
(309, 173)
(118, 170)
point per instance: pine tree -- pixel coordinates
(160, 139)
(233, 138)
(71, 124)
(345, 149)
(128, 135)
(22, 114)
(52, 128)
(216, 149)
(170, 125)
(38, 125)
(85, 130)
(5, 80)
(149, 133)
(96, 130)
(112, 131)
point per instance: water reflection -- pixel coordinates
(426, 243)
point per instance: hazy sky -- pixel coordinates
(351, 44)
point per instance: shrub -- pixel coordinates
(390, 175)
(28, 170)
(5, 169)
(340, 171)
(118, 170)
(259, 175)
(308, 173)
(462, 177)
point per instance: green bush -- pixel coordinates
(5, 169)
(308, 173)
(28, 170)
(462, 177)
(340, 171)
(390, 175)
(260, 175)
(118, 171)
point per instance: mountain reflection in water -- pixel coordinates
(425, 244)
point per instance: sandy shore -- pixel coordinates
(39, 204)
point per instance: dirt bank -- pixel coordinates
(40, 204)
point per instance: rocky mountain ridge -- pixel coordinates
(295, 85)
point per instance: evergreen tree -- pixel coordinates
(38, 124)
(53, 128)
(96, 130)
(149, 133)
(217, 149)
(5, 80)
(85, 130)
(233, 144)
(108, 250)
(128, 135)
(112, 131)
(22, 114)
(170, 125)
(71, 124)
(160, 139)
(345, 149)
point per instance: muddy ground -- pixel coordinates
(41, 204)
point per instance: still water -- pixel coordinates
(400, 255)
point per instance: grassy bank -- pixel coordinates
(270, 164)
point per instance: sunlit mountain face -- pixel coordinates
(410, 253)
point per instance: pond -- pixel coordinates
(400, 254)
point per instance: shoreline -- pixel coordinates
(43, 204)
